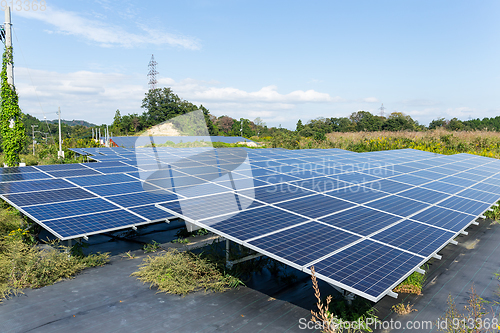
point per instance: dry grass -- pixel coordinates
(177, 272)
(26, 266)
(467, 136)
(402, 309)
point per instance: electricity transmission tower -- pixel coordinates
(152, 73)
(382, 109)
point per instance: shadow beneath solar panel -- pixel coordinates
(473, 262)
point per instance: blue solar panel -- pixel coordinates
(23, 176)
(490, 198)
(410, 179)
(357, 194)
(73, 173)
(423, 183)
(116, 169)
(100, 179)
(389, 186)
(428, 174)
(92, 223)
(415, 237)
(273, 194)
(69, 208)
(56, 167)
(369, 267)
(256, 222)
(151, 212)
(142, 198)
(315, 206)
(397, 205)
(458, 181)
(443, 187)
(444, 218)
(34, 186)
(305, 243)
(120, 188)
(487, 188)
(356, 178)
(422, 194)
(25, 169)
(37, 198)
(465, 205)
(361, 220)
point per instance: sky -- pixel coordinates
(277, 60)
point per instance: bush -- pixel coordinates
(26, 266)
(177, 272)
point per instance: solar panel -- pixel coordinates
(302, 207)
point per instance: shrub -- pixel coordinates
(177, 272)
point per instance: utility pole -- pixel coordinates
(60, 153)
(241, 127)
(8, 45)
(33, 136)
(107, 136)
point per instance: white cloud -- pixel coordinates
(370, 100)
(107, 35)
(85, 95)
(94, 96)
(199, 90)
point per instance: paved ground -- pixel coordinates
(473, 262)
(108, 299)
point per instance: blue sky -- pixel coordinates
(278, 60)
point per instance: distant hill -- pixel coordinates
(73, 122)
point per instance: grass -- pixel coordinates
(25, 265)
(472, 319)
(180, 273)
(151, 247)
(413, 283)
(483, 143)
(494, 213)
(402, 309)
(333, 314)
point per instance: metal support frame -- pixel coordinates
(436, 256)
(465, 233)
(392, 294)
(475, 223)
(454, 242)
(231, 263)
(348, 296)
(419, 270)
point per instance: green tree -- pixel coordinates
(437, 123)
(162, 105)
(116, 127)
(398, 121)
(12, 126)
(299, 126)
(365, 121)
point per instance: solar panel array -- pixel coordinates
(135, 141)
(365, 221)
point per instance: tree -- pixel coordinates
(398, 121)
(12, 127)
(299, 126)
(162, 105)
(116, 127)
(365, 121)
(225, 123)
(437, 123)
